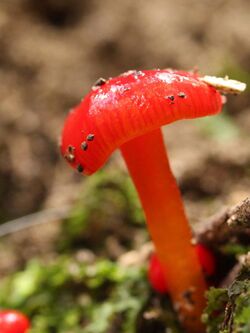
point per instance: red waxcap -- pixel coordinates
(130, 105)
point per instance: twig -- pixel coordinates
(243, 260)
(224, 85)
(216, 230)
(240, 215)
(28, 221)
(213, 229)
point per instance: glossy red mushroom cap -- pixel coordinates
(128, 106)
(12, 321)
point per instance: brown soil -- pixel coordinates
(51, 51)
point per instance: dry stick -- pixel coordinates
(217, 230)
(228, 280)
(228, 224)
(28, 221)
(224, 85)
(240, 215)
(213, 230)
(231, 222)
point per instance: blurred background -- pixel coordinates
(51, 52)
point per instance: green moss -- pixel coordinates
(234, 249)
(228, 310)
(107, 198)
(80, 297)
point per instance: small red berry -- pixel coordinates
(157, 278)
(155, 275)
(206, 259)
(12, 321)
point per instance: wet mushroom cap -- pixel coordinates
(128, 106)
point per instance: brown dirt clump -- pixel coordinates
(51, 52)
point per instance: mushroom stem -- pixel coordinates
(148, 165)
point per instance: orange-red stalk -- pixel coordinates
(148, 165)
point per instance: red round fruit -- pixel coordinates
(155, 275)
(159, 282)
(206, 259)
(12, 321)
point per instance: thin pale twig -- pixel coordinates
(28, 221)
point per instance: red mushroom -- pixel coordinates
(127, 112)
(12, 321)
(156, 276)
